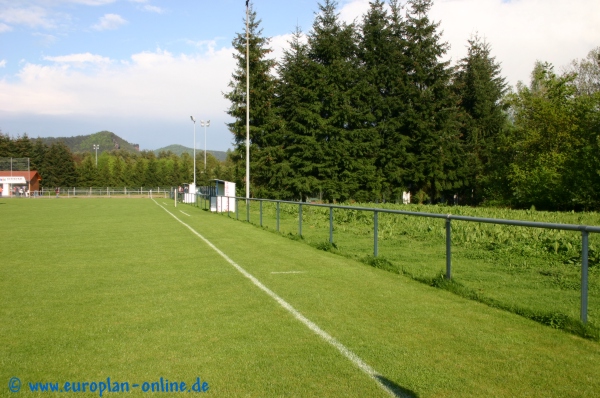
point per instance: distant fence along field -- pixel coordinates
(162, 192)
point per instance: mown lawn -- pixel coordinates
(97, 288)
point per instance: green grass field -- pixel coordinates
(98, 288)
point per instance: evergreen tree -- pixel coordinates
(481, 89)
(129, 177)
(87, 172)
(187, 169)
(263, 123)
(382, 85)
(59, 167)
(297, 106)
(38, 156)
(334, 72)
(6, 145)
(104, 177)
(151, 174)
(175, 176)
(23, 147)
(117, 178)
(431, 112)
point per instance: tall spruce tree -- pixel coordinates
(297, 107)
(59, 167)
(382, 83)
(38, 156)
(263, 122)
(334, 73)
(431, 112)
(481, 89)
(6, 145)
(118, 165)
(87, 172)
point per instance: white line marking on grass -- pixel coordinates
(288, 272)
(355, 359)
(185, 213)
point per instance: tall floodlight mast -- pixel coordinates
(247, 105)
(205, 125)
(194, 120)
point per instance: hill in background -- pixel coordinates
(107, 140)
(180, 149)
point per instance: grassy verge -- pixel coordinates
(531, 272)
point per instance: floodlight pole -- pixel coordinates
(194, 120)
(247, 105)
(96, 147)
(205, 125)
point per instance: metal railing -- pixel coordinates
(585, 230)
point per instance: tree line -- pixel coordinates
(59, 167)
(366, 110)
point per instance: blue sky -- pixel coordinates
(140, 68)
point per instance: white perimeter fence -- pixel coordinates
(160, 192)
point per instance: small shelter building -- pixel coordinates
(222, 196)
(13, 182)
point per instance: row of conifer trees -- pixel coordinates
(367, 110)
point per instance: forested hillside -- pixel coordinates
(59, 167)
(180, 150)
(106, 140)
(367, 110)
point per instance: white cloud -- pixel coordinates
(33, 17)
(80, 60)
(109, 22)
(91, 2)
(155, 84)
(2, 63)
(155, 9)
(4, 28)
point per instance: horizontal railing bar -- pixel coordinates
(517, 223)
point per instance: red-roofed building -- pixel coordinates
(10, 179)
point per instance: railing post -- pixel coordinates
(330, 224)
(584, 275)
(261, 204)
(375, 232)
(448, 249)
(248, 210)
(277, 216)
(300, 219)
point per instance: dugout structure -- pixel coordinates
(222, 196)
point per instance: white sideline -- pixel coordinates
(183, 213)
(288, 272)
(355, 359)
